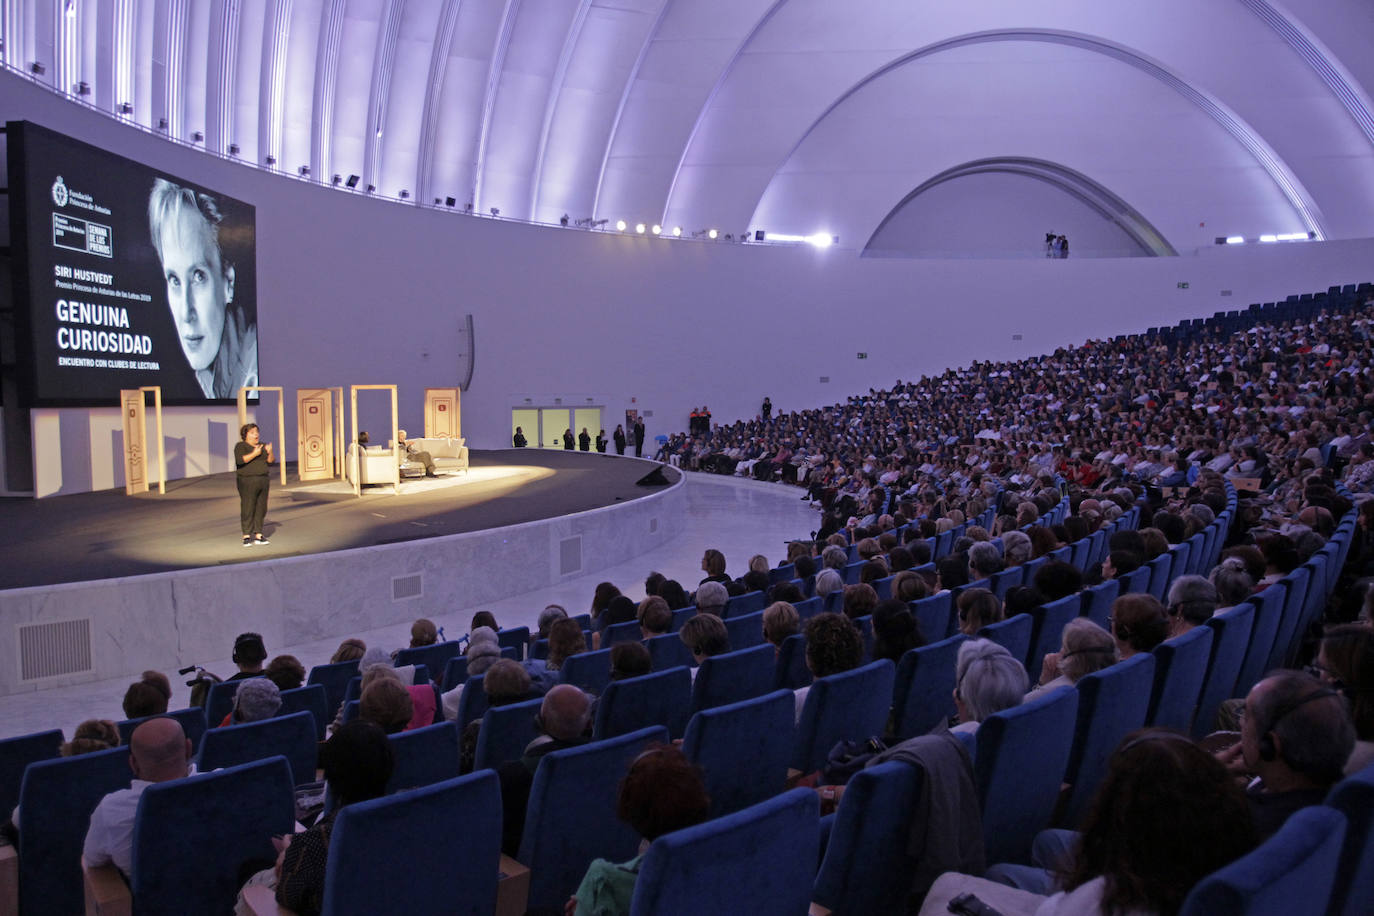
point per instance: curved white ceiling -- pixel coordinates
(1226, 117)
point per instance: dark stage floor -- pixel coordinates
(108, 534)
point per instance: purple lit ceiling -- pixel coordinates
(795, 116)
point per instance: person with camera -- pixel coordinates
(251, 458)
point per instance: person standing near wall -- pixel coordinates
(619, 439)
(639, 437)
(251, 458)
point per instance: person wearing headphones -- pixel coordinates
(1295, 738)
(249, 654)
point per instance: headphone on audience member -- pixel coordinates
(249, 641)
(1267, 750)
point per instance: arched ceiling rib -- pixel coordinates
(694, 111)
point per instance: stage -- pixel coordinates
(101, 584)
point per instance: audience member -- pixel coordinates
(1084, 648)
(711, 598)
(148, 696)
(629, 659)
(895, 630)
(505, 682)
(565, 720)
(1139, 623)
(780, 620)
(286, 671)
(423, 632)
(1192, 601)
(349, 650)
(833, 646)
(249, 654)
(986, 680)
(1345, 662)
(977, 608)
(91, 735)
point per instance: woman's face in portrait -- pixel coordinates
(198, 287)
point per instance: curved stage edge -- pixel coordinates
(114, 627)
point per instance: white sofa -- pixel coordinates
(376, 465)
(448, 454)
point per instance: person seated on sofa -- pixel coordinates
(414, 454)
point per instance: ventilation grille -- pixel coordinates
(403, 587)
(50, 649)
(570, 555)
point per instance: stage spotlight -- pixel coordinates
(656, 229)
(677, 232)
(371, 188)
(126, 108)
(563, 220)
(338, 179)
(405, 195)
(620, 225)
(639, 227)
(710, 234)
(304, 171)
(352, 181)
(495, 211)
(450, 201)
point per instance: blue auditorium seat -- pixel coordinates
(1137, 582)
(923, 687)
(570, 818)
(1180, 668)
(1231, 630)
(1019, 768)
(516, 638)
(733, 676)
(424, 756)
(435, 657)
(291, 736)
(56, 799)
(1111, 703)
(456, 670)
(743, 749)
(668, 651)
(589, 670)
(1002, 581)
(505, 732)
(1354, 797)
(472, 702)
(759, 860)
(17, 753)
(1294, 871)
(311, 699)
(809, 608)
(335, 678)
(1097, 602)
(1294, 605)
(1012, 634)
(850, 706)
(662, 698)
(789, 670)
(747, 603)
(192, 837)
(745, 631)
(1048, 632)
(867, 868)
(385, 857)
(1269, 605)
(192, 721)
(935, 615)
(629, 631)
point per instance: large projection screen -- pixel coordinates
(126, 277)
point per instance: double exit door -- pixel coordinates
(543, 426)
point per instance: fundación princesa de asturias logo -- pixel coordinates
(59, 192)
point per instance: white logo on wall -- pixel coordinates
(59, 192)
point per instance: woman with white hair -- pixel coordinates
(1016, 548)
(483, 651)
(986, 680)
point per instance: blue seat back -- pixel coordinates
(668, 651)
(1048, 631)
(789, 668)
(311, 699)
(457, 876)
(733, 676)
(743, 749)
(1111, 703)
(515, 638)
(1197, 547)
(1269, 606)
(291, 736)
(505, 732)
(1180, 667)
(1012, 634)
(747, 603)
(1018, 769)
(923, 687)
(424, 756)
(334, 677)
(935, 615)
(783, 573)
(850, 706)
(589, 670)
(472, 702)
(1097, 602)
(681, 616)
(456, 668)
(192, 720)
(745, 631)
(867, 868)
(1294, 871)
(57, 797)
(662, 698)
(435, 657)
(1231, 636)
(1354, 797)
(570, 818)
(192, 837)
(1006, 579)
(1136, 582)
(759, 860)
(629, 631)
(17, 753)
(1161, 567)
(1294, 605)
(809, 608)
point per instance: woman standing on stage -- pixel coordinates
(251, 458)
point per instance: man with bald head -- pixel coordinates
(159, 751)
(565, 720)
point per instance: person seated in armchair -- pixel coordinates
(412, 453)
